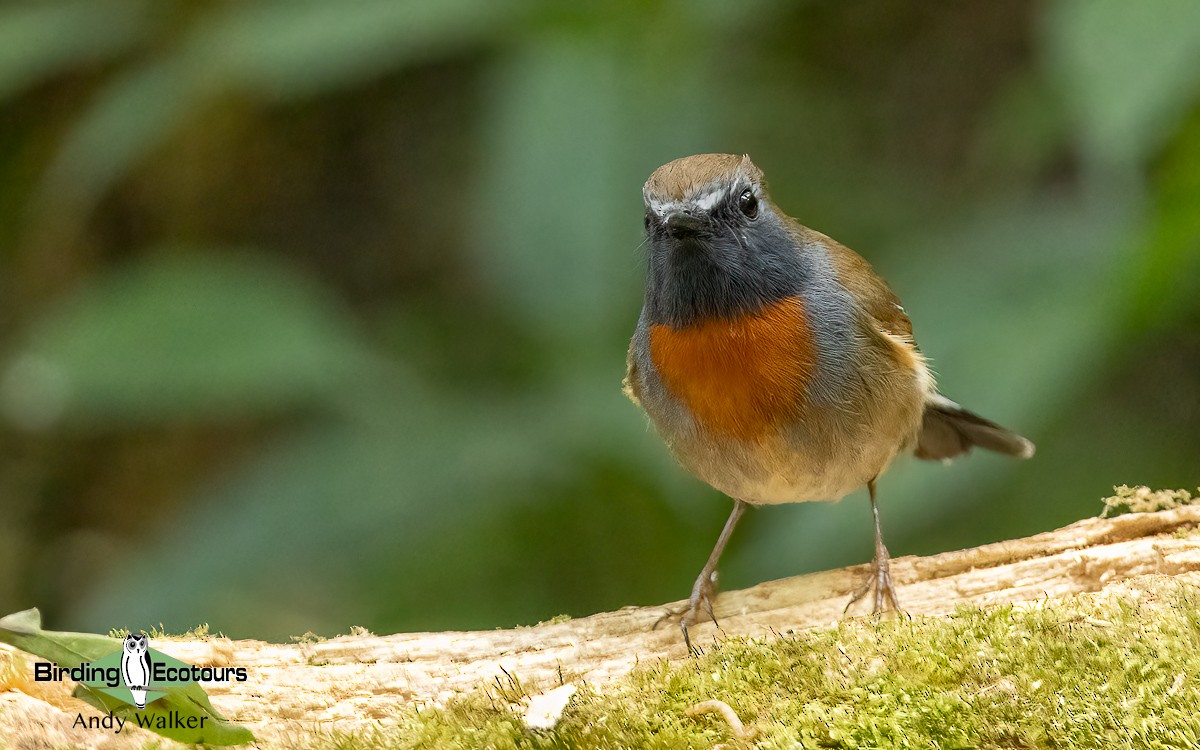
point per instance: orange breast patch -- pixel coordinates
(741, 376)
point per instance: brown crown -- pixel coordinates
(687, 177)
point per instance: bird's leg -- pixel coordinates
(705, 588)
(880, 577)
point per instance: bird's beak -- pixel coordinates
(683, 222)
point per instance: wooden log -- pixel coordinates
(358, 681)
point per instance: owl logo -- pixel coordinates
(135, 667)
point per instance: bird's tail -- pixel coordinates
(948, 430)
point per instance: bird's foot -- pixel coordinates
(879, 580)
(698, 607)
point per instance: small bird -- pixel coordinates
(774, 362)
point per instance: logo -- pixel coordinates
(135, 667)
(138, 675)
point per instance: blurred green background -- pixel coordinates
(314, 314)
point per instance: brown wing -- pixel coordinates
(947, 429)
(876, 297)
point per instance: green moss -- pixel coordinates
(1142, 499)
(1090, 672)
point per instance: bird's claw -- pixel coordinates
(699, 606)
(879, 580)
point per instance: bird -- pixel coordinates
(774, 362)
(135, 667)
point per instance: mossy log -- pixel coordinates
(301, 691)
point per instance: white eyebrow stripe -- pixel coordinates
(709, 200)
(705, 202)
(660, 207)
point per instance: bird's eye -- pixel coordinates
(748, 204)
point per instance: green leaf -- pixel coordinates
(23, 630)
(559, 225)
(183, 337)
(38, 40)
(131, 117)
(292, 49)
(340, 500)
(1129, 69)
(282, 50)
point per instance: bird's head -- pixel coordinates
(718, 246)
